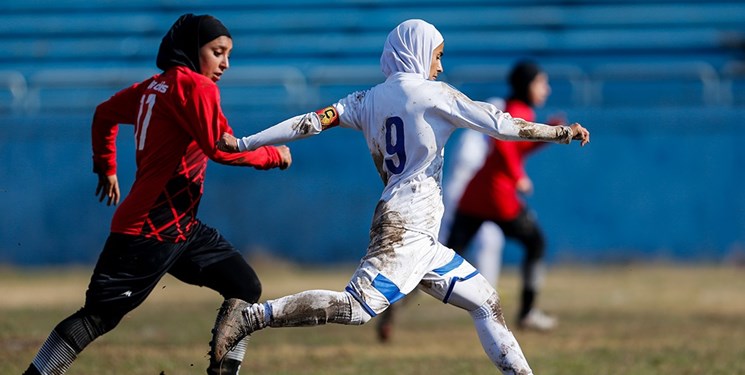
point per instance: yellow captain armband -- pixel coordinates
(329, 117)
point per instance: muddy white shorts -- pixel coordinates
(399, 260)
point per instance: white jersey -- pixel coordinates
(406, 122)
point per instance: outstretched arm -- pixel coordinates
(487, 119)
(298, 127)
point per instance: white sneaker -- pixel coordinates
(538, 320)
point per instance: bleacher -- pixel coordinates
(309, 52)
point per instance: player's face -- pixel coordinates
(436, 67)
(214, 56)
(539, 89)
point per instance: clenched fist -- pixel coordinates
(228, 143)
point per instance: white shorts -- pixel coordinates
(398, 261)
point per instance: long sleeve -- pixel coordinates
(210, 123)
(298, 127)
(119, 109)
(519, 109)
(486, 118)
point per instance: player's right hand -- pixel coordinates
(579, 133)
(285, 156)
(108, 187)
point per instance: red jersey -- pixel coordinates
(177, 119)
(492, 192)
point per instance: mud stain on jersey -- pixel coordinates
(304, 125)
(386, 234)
(529, 130)
(378, 160)
(360, 95)
(455, 93)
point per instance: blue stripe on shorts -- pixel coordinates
(361, 301)
(387, 288)
(453, 264)
(455, 280)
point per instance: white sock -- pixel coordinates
(55, 356)
(498, 342)
(239, 351)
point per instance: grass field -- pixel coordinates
(630, 319)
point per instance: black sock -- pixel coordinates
(526, 302)
(31, 370)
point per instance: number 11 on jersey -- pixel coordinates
(143, 123)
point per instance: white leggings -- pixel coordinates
(475, 295)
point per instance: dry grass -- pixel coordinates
(630, 319)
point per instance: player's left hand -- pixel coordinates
(228, 143)
(108, 187)
(579, 133)
(524, 185)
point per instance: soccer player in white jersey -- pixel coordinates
(465, 158)
(406, 121)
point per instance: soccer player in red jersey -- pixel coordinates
(493, 194)
(177, 120)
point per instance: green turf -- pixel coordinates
(629, 319)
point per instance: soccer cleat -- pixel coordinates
(538, 320)
(234, 322)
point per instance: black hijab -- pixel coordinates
(180, 46)
(522, 74)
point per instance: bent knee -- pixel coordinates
(358, 314)
(84, 326)
(470, 294)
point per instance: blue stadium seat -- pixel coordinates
(279, 89)
(313, 37)
(333, 82)
(733, 79)
(570, 85)
(77, 90)
(13, 88)
(665, 84)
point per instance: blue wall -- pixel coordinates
(653, 184)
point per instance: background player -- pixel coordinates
(406, 122)
(492, 195)
(178, 119)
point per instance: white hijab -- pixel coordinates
(409, 48)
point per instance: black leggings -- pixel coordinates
(129, 268)
(524, 228)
